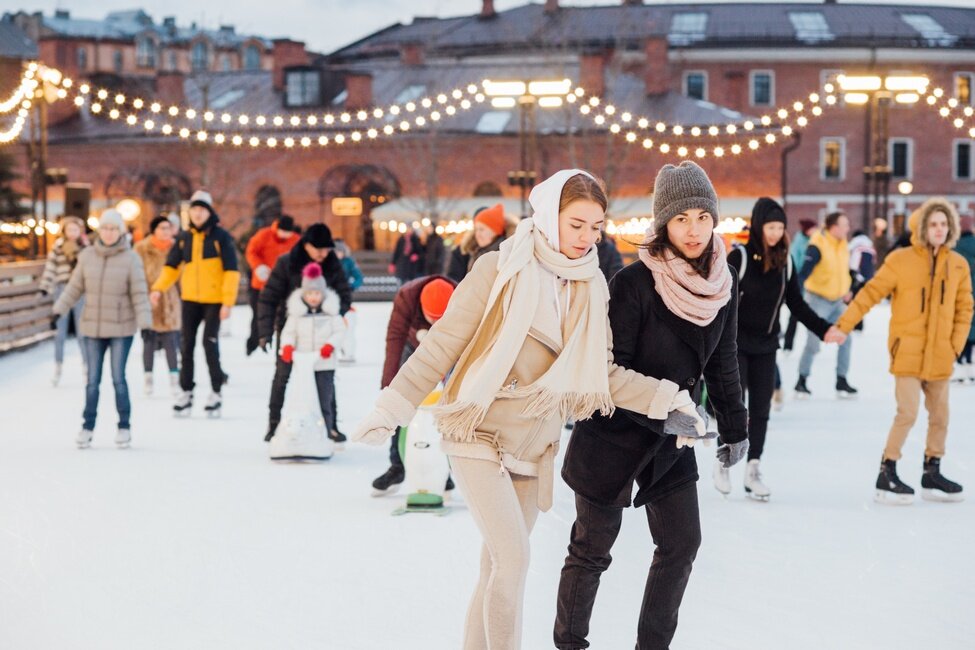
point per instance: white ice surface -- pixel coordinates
(194, 539)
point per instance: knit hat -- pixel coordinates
(806, 224)
(679, 188)
(287, 223)
(311, 278)
(155, 223)
(203, 199)
(319, 236)
(493, 218)
(434, 297)
(111, 217)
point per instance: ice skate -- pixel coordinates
(84, 438)
(890, 489)
(338, 438)
(802, 392)
(123, 438)
(147, 383)
(183, 405)
(722, 478)
(935, 487)
(844, 390)
(389, 482)
(56, 379)
(174, 384)
(754, 488)
(214, 405)
(778, 400)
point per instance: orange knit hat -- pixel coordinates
(434, 297)
(493, 218)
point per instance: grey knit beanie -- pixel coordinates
(679, 188)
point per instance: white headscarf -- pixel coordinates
(545, 198)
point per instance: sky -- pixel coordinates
(324, 25)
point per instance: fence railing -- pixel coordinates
(25, 315)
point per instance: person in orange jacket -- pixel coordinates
(263, 250)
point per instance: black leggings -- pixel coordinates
(758, 381)
(208, 314)
(966, 353)
(153, 340)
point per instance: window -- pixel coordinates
(227, 98)
(762, 88)
(225, 64)
(410, 93)
(696, 85)
(686, 27)
(810, 26)
(962, 160)
(252, 58)
(201, 56)
(303, 88)
(172, 61)
(81, 58)
(145, 52)
(964, 81)
(930, 29)
(901, 158)
(832, 159)
(493, 122)
(117, 60)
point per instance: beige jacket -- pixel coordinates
(114, 285)
(523, 445)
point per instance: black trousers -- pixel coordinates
(758, 373)
(252, 296)
(195, 313)
(153, 340)
(325, 383)
(675, 525)
(966, 353)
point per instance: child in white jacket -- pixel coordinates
(314, 325)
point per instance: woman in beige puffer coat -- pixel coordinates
(110, 277)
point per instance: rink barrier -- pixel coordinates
(25, 314)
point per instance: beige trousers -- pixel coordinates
(504, 507)
(908, 393)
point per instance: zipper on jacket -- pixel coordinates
(778, 304)
(942, 292)
(101, 295)
(922, 300)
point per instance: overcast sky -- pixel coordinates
(324, 25)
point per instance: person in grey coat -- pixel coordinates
(110, 276)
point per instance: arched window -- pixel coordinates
(145, 52)
(82, 58)
(225, 63)
(201, 56)
(117, 60)
(252, 58)
(487, 188)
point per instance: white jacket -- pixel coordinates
(308, 332)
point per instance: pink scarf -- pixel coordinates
(685, 293)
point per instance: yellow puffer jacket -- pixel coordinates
(931, 305)
(206, 259)
(831, 277)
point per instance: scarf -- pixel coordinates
(160, 244)
(685, 293)
(576, 385)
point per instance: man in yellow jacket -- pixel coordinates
(205, 258)
(826, 276)
(931, 312)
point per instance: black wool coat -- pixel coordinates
(607, 455)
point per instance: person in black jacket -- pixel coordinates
(610, 260)
(766, 280)
(316, 245)
(673, 315)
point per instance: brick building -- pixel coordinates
(689, 64)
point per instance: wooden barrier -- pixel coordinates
(25, 314)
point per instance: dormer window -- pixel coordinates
(201, 56)
(145, 52)
(303, 87)
(252, 58)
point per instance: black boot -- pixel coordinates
(450, 484)
(934, 486)
(271, 428)
(389, 482)
(890, 489)
(801, 391)
(338, 438)
(844, 390)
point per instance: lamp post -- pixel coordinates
(878, 93)
(527, 96)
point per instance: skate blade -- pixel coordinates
(213, 413)
(941, 497)
(890, 499)
(84, 445)
(801, 397)
(845, 396)
(722, 492)
(392, 489)
(757, 497)
(185, 413)
(299, 459)
(123, 445)
(440, 511)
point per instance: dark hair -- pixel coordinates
(156, 222)
(833, 218)
(776, 257)
(661, 245)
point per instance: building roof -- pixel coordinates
(14, 43)
(685, 25)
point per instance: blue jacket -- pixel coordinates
(352, 272)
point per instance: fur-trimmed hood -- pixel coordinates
(297, 307)
(918, 222)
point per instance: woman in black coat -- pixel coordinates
(766, 280)
(674, 316)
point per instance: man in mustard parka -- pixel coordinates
(204, 258)
(931, 312)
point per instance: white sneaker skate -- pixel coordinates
(56, 379)
(213, 405)
(84, 438)
(754, 488)
(722, 478)
(183, 405)
(174, 384)
(147, 383)
(123, 438)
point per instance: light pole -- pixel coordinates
(527, 96)
(878, 93)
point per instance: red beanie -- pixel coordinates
(435, 296)
(493, 218)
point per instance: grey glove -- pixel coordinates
(682, 424)
(729, 455)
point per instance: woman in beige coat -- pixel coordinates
(166, 315)
(527, 335)
(110, 277)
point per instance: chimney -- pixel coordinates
(487, 9)
(656, 74)
(358, 86)
(169, 87)
(412, 53)
(551, 6)
(62, 14)
(592, 72)
(286, 53)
